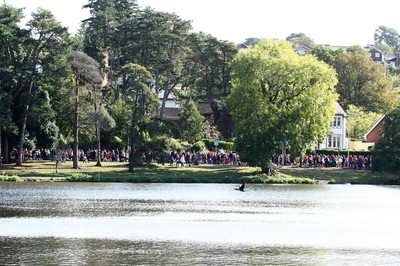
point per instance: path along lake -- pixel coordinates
(120, 223)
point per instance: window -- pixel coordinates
(377, 55)
(334, 141)
(336, 121)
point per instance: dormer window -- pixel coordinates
(377, 55)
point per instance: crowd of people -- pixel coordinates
(358, 162)
(188, 158)
(67, 155)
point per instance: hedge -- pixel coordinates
(227, 146)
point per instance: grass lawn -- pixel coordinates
(118, 172)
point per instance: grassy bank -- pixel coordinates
(118, 172)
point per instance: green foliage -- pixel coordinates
(251, 41)
(199, 146)
(42, 39)
(80, 178)
(227, 146)
(386, 156)
(325, 54)
(359, 122)
(85, 67)
(388, 36)
(6, 178)
(165, 143)
(279, 96)
(364, 83)
(300, 39)
(191, 122)
(283, 179)
(356, 49)
(161, 127)
(143, 103)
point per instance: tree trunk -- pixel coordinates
(98, 144)
(21, 135)
(22, 128)
(75, 148)
(269, 170)
(5, 149)
(1, 151)
(131, 158)
(167, 82)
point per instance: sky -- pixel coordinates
(336, 23)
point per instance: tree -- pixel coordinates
(364, 83)
(99, 116)
(279, 96)
(22, 50)
(107, 32)
(300, 39)
(143, 104)
(360, 122)
(386, 156)
(85, 69)
(210, 75)
(388, 36)
(251, 41)
(10, 40)
(325, 54)
(191, 123)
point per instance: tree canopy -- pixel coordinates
(386, 155)
(191, 122)
(279, 96)
(364, 83)
(300, 39)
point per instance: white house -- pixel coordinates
(337, 138)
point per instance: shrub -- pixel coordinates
(80, 178)
(199, 146)
(227, 146)
(7, 178)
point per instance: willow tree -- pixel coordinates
(279, 96)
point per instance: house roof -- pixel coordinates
(340, 111)
(171, 113)
(370, 47)
(204, 108)
(374, 126)
(391, 58)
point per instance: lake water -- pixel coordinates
(186, 224)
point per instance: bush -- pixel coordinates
(282, 179)
(199, 146)
(227, 146)
(80, 178)
(7, 178)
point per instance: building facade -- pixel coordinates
(337, 139)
